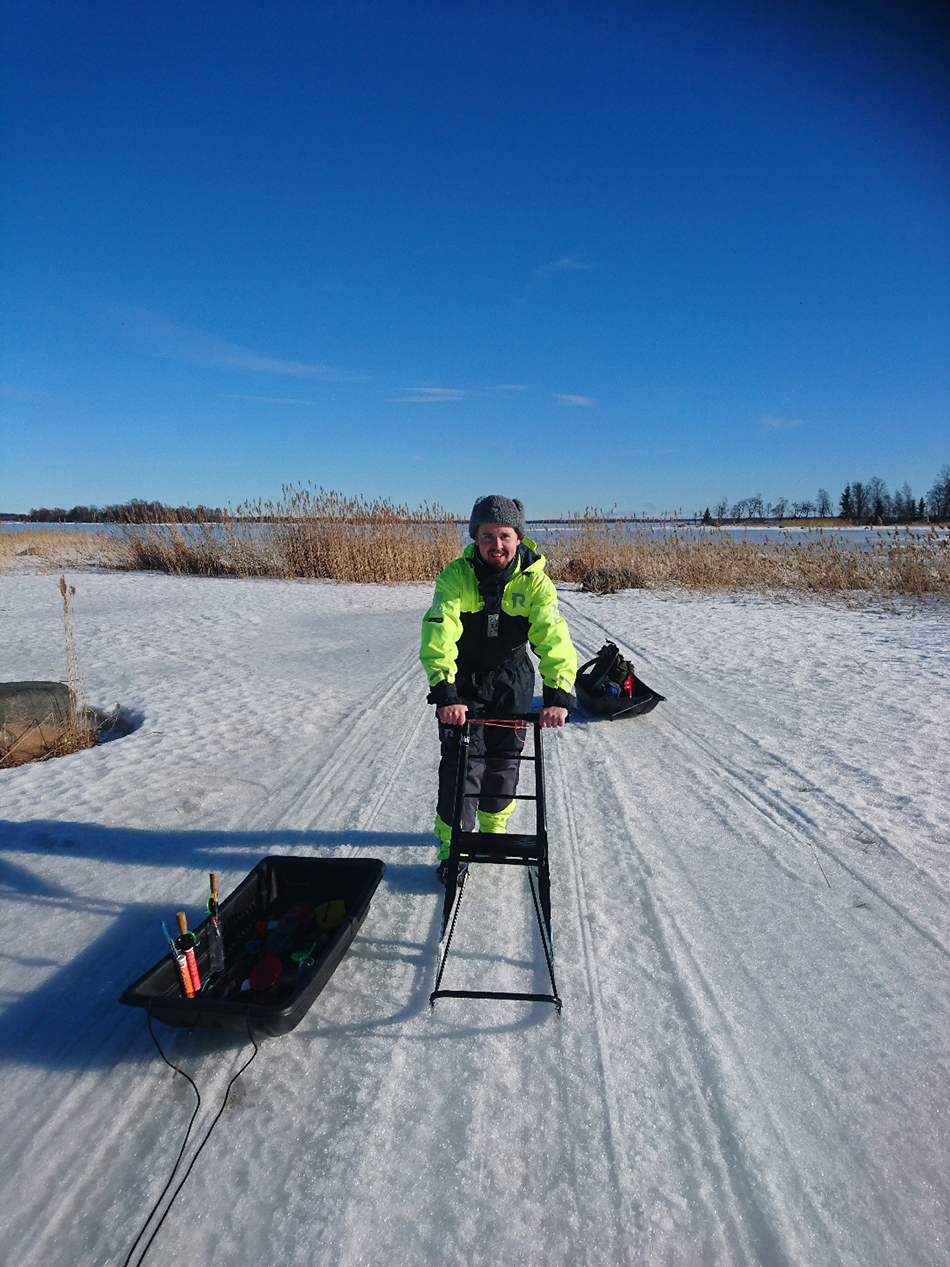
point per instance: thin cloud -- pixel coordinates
(582, 402)
(429, 395)
(781, 424)
(198, 347)
(568, 264)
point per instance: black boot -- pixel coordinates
(442, 871)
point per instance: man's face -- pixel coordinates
(497, 544)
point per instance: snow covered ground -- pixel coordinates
(750, 892)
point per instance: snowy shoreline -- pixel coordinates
(751, 908)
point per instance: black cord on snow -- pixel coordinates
(224, 1104)
(168, 1184)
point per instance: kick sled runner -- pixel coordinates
(473, 849)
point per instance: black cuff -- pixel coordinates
(554, 697)
(443, 694)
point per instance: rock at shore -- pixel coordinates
(37, 719)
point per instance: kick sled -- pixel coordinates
(473, 849)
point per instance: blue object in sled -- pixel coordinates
(613, 707)
(344, 886)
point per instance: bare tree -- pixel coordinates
(938, 499)
(859, 500)
(904, 505)
(879, 501)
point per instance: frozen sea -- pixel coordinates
(750, 910)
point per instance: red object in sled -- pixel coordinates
(266, 973)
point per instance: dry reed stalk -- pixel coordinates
(82, 730)
(72, 738)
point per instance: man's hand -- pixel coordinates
(453, 714)
(551, 717)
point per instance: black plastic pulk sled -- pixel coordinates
(499, 849)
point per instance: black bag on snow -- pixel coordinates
(607, 686)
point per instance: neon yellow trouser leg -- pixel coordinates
(495, 823)
(444, 833)
(491, 823)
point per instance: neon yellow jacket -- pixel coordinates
(453, 633)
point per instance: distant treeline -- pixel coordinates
(865, 502)
(133, 512)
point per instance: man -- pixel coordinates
(488, 606)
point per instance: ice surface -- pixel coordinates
(750, 895)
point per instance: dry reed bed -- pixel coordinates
(317, 535)
(49, 550)
(631, 555)
(325, 535)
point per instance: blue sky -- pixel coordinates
(584, 252)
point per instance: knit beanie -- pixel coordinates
(498, 510)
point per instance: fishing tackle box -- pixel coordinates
(276, 885)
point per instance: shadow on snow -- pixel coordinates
(73, 1019)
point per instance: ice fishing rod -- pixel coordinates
(181, 965)
(215, 936)
(187, 948)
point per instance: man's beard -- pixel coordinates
(498, 565)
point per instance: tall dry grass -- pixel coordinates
(48, 550)
(320, 534)
(315, 534)
(607, 556)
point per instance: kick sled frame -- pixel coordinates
(499, 849)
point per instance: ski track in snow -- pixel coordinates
(750, 919)
(700, 1030)
(706, 1008)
